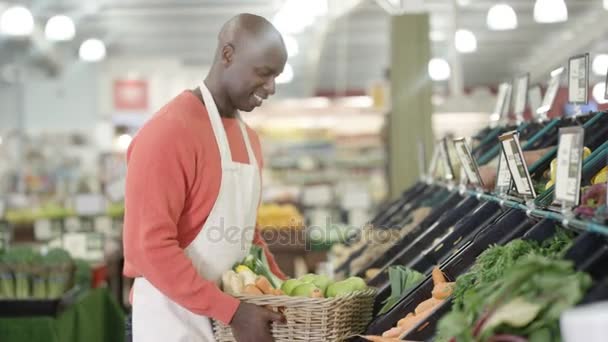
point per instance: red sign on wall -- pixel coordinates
(130, 95)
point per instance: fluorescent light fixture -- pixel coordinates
(550, 11)
(599, 90)
(60, 28)
(502, 17)
(291, 44)
(600, 65)
(286, 76)
(92, 50)
(465, 41)
(606, 5)
(439, 69)
(17, 21)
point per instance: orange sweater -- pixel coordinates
(173, 180)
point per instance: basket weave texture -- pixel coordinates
(312, 319)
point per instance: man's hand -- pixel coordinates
(252, 323)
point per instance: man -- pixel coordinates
(193, 187)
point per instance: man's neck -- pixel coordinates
(224, 107)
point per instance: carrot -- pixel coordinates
(408, 321)
(252, 290)
(393, 332)
(263, 284)
(438, 277)
(428, 304)
(379, 338)
(443, 290)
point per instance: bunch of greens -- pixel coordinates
(59, 263)
(480, 295)
(20, 261)
(401, 279)
(257, 262)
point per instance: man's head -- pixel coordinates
(250, 55)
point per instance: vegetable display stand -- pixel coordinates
(38, 307)
(312, 319)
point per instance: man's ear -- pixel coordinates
(227, 54)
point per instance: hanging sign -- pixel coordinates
(551, 94)
(521, 96)
(569, 166)
(514, 157)
(468, 163)
(578, 79)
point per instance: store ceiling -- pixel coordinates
(346, 52)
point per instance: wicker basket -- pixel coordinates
(313, 319)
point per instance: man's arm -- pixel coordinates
(156, 188)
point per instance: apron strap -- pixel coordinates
(216, 124)
(252, 159)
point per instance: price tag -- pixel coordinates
(535, 98)
(89, 204)
(448, 170)
(551, 94)
(433, 165)
(43, 230)
(606, 91)
(318, 195)
(578, 79)
(516, 163)
(569, 165)
(88, 246)
(521, 96)
(502, 99)
(116, 190)
(506, 108)
(504, 182)
(468, 162)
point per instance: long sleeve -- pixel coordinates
(160, 168)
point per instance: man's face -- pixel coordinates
(250, 76)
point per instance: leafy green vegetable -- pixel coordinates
(401, 279)
(478, 292)
(257, 262)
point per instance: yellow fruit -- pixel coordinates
(586, 152)
(600, 177)
(549, 184)
(553, 169)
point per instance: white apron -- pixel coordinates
(225, 239)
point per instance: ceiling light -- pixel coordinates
(286, 76)
(465, 41)
(60, 28)
(600, 65)
(502, 17)
(92, 50)
(439, 69)
(291, 44)
(463, 3)
(606, 5)
(550, 11)
(296, 15)
(599, 91)
(17, 21)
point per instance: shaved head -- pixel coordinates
(249, 56)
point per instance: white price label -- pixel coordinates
(445, 160)
(551, 94)
(506, 108)
(535, 98)
(502, 99)
(88, 246)
(43, 230)
(503, 177)
(521, 96)
(578, 79)
(433, 165)
(468, 163)
(517, 164)
(89, 204)
(569, 165)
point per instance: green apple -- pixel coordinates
(304, 290)
(289, 285)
